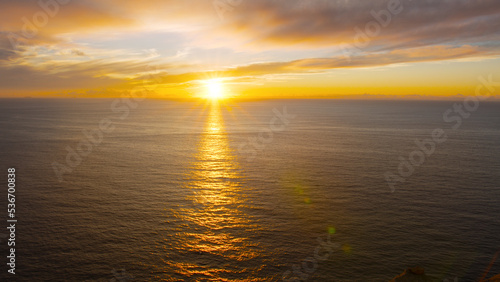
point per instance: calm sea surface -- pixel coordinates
(182, 191)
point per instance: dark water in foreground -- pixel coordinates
(192, 192)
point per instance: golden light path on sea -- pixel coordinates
(215, 236)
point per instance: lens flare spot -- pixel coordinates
(347, 249)
(331, 230)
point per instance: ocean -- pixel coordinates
(271, 190)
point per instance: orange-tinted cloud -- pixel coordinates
(330, 23)
(359, 33)
(428, 54)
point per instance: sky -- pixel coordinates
(254, 49)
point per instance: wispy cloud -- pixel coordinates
(69, 51)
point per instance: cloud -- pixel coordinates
(317, 65)
(422, 31)
(7, 54)
(275, 23)
(57, 75)
(330, 23)
(31, 22)
(78, 52)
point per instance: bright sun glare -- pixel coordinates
(214, 89)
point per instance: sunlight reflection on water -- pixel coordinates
(215, 224)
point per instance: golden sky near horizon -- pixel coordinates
(253, 49)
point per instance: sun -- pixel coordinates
(214, 89)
